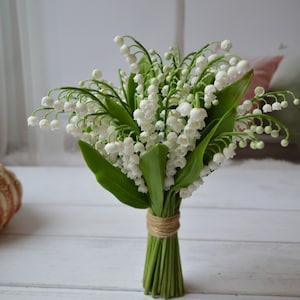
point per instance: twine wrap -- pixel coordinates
(162, 227)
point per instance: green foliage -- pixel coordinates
(220, 120)
(145, 65)
(131, 88)
(153, 166)
(112, 179)
(194, 165)
(119, 113)
(229, 98)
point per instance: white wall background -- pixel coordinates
(256, 27)
(62, 41)
(76, 35)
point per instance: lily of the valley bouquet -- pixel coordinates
(170, 122)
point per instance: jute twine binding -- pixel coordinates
(162, 227)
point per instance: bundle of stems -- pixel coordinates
(163, 272)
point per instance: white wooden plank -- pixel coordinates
(250, 184)
(244, 268)
(123, 221)
(238, 185)
(61, 185)
(241, 225)
(30, 293)
(209, 267)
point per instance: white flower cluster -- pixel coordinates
(254, 121)
(128, 158)
(169, 110)
(182, 141)
(171, 107)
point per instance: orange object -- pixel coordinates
(10, 195)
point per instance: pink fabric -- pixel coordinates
(264, 69)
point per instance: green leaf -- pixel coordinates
(145, 65)
(225, 125)
(131, 88)
(195, 159)
(112, 179)
(153, 166)
(118, 112)
(230, 97)
(194, 165)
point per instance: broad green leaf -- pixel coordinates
(194, 165)
(145, 65)
(118, 112)
(207, 130)
(195, 160)
(153, 166)
(112, 179)
(230, 97)
(131, 87)
(225, 125)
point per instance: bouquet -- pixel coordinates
(170, 122)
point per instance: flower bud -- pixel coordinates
(47, 101)
(32, 121)
(259, 91)
(44, 124)
(55, 125)
(119, 40)
(226, 45)
(96, 74)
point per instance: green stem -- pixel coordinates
(163, 273)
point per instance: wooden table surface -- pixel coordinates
(239, 237)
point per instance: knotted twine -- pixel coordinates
(162, 227)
